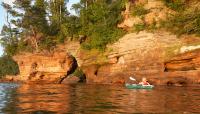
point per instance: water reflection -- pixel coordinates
(101, 99)
(6, 92)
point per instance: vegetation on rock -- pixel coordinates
(79, 73)
(184, 17)
(8, 66)
(139, 27)
(177, 5)
(186, 22)
(139, 10)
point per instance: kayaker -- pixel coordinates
(144, 82)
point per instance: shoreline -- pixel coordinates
(116, 84)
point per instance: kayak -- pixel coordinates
(138, 86)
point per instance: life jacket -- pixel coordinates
(144, 83)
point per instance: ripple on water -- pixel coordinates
(101, 99)
(5, 89)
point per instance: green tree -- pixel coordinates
(71, 27)
(40, 24)
(99, 19)
(9, 35)
(29, 20)
(8, 66)
(35, 28)
(57, 14)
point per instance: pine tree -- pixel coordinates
(58, 12)
(38, 24)
(58, 15)
(30, 20)
(99, 19)
(9, 34)
(43, 23)
(39, 16)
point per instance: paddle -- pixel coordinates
(131, 78)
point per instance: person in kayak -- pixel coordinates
(144, 82)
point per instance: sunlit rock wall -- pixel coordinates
(183, 68)
(44, 67)
(137, 55)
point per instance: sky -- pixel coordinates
(3, 14)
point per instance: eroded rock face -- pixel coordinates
(45, 68)
(157, 11)
(137, 55)
(183, 68)
(184, 62)
(144, 55)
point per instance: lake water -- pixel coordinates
(96, 99)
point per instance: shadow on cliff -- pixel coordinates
(75, 71)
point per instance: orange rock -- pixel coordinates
(143, 56)
(184, 62)
(46, 68)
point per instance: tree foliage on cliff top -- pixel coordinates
(99, 21)
(34, 25)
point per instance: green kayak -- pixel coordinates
(138, 86)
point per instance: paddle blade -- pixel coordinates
(131, 78)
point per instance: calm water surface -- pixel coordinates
(96, 99)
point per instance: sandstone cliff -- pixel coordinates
(183, 68)
(157, 56)
(160, 56)
(51, 68)
(157, 11)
